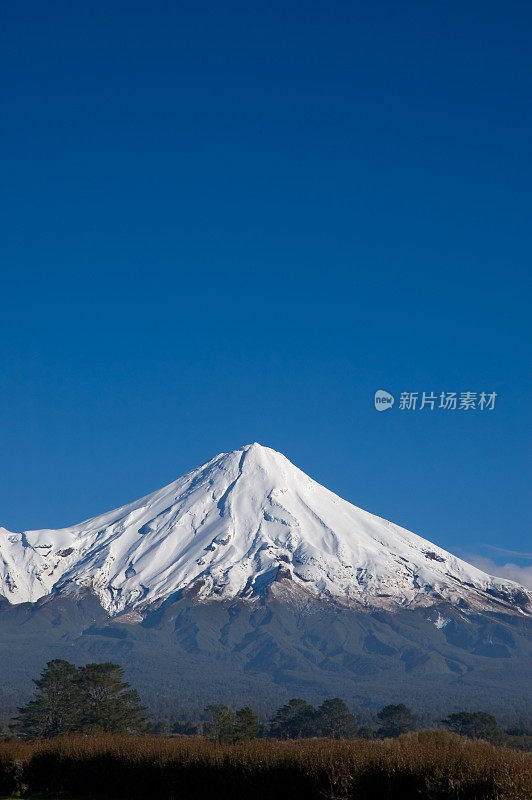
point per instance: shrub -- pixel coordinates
(429, 765)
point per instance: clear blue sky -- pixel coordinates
(233, 222)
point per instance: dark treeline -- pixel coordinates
(333, 719)
(95, 698)
(299, 720)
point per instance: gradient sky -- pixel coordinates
(226, 223)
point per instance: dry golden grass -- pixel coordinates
(429, 765)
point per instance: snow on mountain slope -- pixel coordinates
(242, 522)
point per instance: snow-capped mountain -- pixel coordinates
(245, 523)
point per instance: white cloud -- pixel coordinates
(517, 553)
(513, 572)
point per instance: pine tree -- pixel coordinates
(475, 725)
(72, 700)
(335, 719)
(220, 727)
(57, 705)
(109, 703)
(294, 720)
(246, 725)
(395, 720)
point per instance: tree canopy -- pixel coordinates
(56, 707)
(226, 725)
(109, 704)
(395, 720)
(336, 720)
(298, 719)
(475, 725)
(294, 720)
(69, 699)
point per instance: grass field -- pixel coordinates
(429, 765)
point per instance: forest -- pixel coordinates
(95, 698)
(85, 734)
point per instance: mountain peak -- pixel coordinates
(256, 447)
(241, 523)
(266, 457)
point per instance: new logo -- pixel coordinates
(383, 400)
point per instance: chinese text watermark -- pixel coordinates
(430, 401)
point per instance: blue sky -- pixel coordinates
(225, 223)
